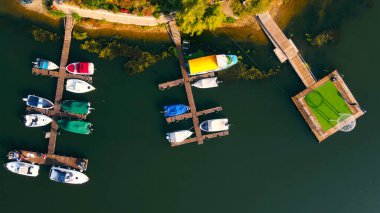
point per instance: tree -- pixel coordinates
(198, 15)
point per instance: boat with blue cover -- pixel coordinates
(45, 64)
(174, 110)
(38, 102)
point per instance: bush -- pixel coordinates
(57, 13)
(76, 17)
(79, 35)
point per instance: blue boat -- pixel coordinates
(45, 64)
(176, 109)
(38, 102)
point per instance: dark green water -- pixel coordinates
(271, 162)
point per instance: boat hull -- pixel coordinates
(206, 83)
(36, 120)
(22, 168)
(174, 110)
(80, 68)
(78, 86)
(212, 63)
(38, 102)
(69, 176)
(45, 64)
(75, 126)
(76, 107)
(178, 136)
(215, 125)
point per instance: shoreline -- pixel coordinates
(244, 29)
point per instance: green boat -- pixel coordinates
(75, 126)
(76, 107)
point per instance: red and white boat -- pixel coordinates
(81, 68)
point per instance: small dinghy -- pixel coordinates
(22, 168)
(81, 68)
(206, 83)
(215, 125)
(176, 109)
(78, 86)
(75, 126)
(36, 120)
(70, 176)
(178, 136)
(76, 107)
(45, 64)
(38, 102)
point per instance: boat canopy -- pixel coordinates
(203, 64)
(76, 107)
(206, 83)
(43, 64)
(75, 126)
(174, 110)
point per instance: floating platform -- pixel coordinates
(179, 82)
(53, 160)
(310, 117)
(55, 74)
(51, 113)
(204, 137)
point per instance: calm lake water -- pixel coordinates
(271, 162)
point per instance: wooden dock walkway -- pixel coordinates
(186, 80)
(285, 48)
(53, 160)
(55, 74)
(60, 114)
(189, 115)
(179, 82)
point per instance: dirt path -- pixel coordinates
(122, 18)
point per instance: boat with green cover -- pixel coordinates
(76, 107)
(75, 126)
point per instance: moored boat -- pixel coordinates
(178, 136)
(81, 68)
(69, 176)
(174, 110)
(75, 126)
(78, 86)
(76, 107)
(211, 63)
(23, 168)
(215, 125)
(36, 120)
(45, 64)
(38, 102)
(206, 83)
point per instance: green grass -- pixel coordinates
(327, 103)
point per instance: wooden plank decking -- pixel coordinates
(189, 115)
(204, 137)
(51, 159)
(60, 114)
(285, 48)
(178, 82)
(55, 74)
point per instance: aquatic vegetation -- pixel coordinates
(323, 38)
(243, 71)
(41, 35)
(79, 35)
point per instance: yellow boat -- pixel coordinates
(211, 63)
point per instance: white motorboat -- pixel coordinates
(45, 64)
(206, 83)
(23, 168)
(78, 86)
(38, 102)
(178, 136)
(70, 176)
(215, 125)
(36, 120)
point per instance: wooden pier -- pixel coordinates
(53, 160)
(285, 48)
(299, 101)
(189, 115)
(186, 80)
(50, 158)
(180, 81)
